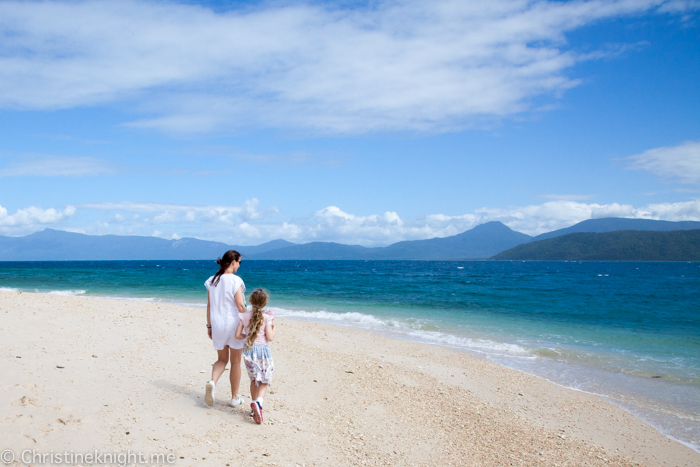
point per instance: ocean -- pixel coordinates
(628, 331)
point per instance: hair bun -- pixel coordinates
(218, 261)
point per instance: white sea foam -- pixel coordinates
(8, 289)
(467, 343)
(408, 330)
(350, 317)
(153, 300)
(67, 292)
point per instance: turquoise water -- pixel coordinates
(627, 331)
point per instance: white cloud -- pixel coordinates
(687, 211)
(333, 224)
(32, 219)
(159, 234)
(40, 165)
(164, 213)
(394, 65)
(238, 225)
(553, 215)
(680, 162)
(680, 6)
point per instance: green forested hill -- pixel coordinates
(625, 245)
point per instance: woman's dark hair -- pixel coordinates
(224, 262)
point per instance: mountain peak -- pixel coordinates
(491, 225)
(493, 228)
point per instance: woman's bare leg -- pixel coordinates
(220, 365)
(235, 375)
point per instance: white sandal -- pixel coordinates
(210, 394)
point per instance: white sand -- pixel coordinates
(133, 379)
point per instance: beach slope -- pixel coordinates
(85, 374)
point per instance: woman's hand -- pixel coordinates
(209, 332)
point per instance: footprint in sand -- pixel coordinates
(25, 401)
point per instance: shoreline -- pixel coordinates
(656, 419)
(340, 395)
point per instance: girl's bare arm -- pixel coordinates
(239, 331)
(270, 331)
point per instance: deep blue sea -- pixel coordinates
(627, 331)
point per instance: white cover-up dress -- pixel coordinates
(223, 312)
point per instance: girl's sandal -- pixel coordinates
(257, 413)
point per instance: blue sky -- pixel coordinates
(356, 122)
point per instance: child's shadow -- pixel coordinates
(196, 395)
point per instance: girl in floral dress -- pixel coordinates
(258, 329)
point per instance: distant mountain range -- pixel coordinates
(623, 245)
(482, 242)
(57, 245)
(613, 224)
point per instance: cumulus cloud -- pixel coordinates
(40, 165)
(332, 224)
(681, 163)
(32, 219)
(392, 65)
(248, 225)
(164, 213)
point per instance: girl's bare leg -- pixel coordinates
(236, 355)
(260, 390)
(220, 365)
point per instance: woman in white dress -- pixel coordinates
(225, 299)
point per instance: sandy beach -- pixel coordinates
(84, 374)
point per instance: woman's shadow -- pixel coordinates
(196, 395)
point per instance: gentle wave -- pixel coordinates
(8, 289)
(407, 330)
(350, 317)
(474, 345)
(67, 292)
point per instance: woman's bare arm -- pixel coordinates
(240, 303)
(208, 316)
